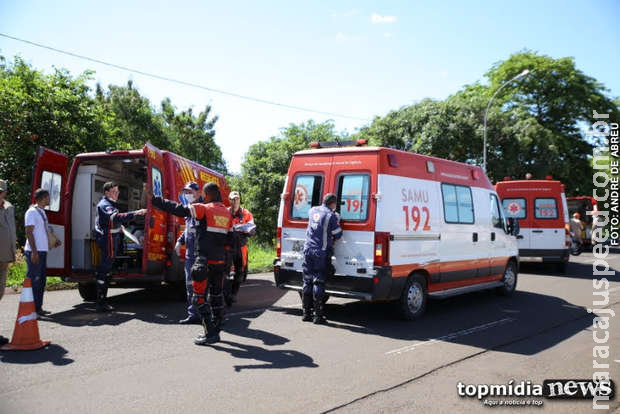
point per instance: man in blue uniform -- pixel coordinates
(323, 230)
(191, 193)
(109, 236)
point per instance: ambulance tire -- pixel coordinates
(88, 291)
(509, 280)
(414, 297)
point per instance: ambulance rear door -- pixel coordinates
(517, 207)
(154, 254)
(547, 232)
(50, 172)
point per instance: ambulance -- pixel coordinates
(414, 226)
(147, 255)
(541, 209)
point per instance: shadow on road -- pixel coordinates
(465, 319)
(156, 305)
(274, 359)
(52, 353)
(574, 270)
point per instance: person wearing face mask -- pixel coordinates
(191, 192)
(109, 235)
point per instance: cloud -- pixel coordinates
(376, 18)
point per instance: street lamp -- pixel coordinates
(484, 131)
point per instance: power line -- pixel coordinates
(180, 82)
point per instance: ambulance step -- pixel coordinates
(464, 289)
(334, 293)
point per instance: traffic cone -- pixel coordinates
(26, 333)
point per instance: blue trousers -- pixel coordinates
(191, 308)
(37, 275)
(314, 268)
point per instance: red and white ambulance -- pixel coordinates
(541, 209)
(147, 256)
(414, 226)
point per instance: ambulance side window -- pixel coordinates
(515, 207)
(353, 197)
(307, 194)
(458, 206)
(496, 214)
(545, 208)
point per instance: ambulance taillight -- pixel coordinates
(382, 246)
(279, 242)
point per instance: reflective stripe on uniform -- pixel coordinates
(192, 211)
(217, 229)
(338, 230)
(325, 223)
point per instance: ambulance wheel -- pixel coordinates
(413, 299)
(88, 291)
(509, 280)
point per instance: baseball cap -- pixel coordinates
(3, 186)
(191, 185)
(233, 195)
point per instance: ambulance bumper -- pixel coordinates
(382, 286)
(543, 255)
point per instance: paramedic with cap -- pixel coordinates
(242, 218)
(576, 227)
(323, 230)
(213, 237)
(109, 236)
(191, 193)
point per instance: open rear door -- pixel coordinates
(50, 172)
(154, 255)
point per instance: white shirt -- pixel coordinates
(33, 218)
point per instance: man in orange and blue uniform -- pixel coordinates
(242, 220)
(213, 239)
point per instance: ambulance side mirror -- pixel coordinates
(512, 227)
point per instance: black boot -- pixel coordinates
(102, 306)
(319, 318)
(212, 333)
(307, 307)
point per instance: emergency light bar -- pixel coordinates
(333, 144)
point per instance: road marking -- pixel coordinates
(255, 285)
(451, 336)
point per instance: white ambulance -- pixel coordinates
(414, 226)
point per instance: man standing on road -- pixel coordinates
(243, 227)
(109, 235)
(323, 230)
(37, 246)
(576, 227)
(7, 240)
(191, 192)
(213, 239)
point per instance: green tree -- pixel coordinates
(52, 110)
(129, 119)
(193, 136)
(264, 170)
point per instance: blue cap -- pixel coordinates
(190, 185)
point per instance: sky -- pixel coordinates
(360, 59)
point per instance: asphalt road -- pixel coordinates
(138, 359)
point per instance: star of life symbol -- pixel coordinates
(514, 208)
(301, 197)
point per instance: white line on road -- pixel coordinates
(452, 335)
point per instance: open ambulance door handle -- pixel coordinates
(475, 237)
(493, 236)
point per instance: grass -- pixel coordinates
(260, 260)
(17, 274)
(260, 257)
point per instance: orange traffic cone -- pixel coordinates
(26, 333)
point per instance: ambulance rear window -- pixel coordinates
(307, 194)
(545, 208)
(514, 207)
(353, 197)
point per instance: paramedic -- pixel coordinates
(239, 250)
(323, 230)
(191, 194)
(576, 227)
(213, 237)
(109, 236)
